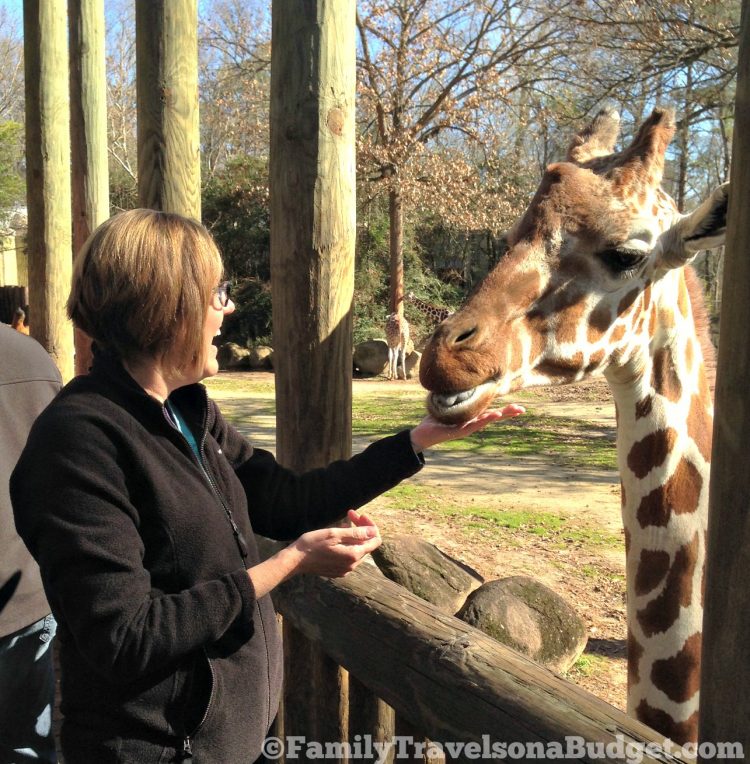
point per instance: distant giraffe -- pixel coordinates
(436, 313)
(397, 337)
(595, 281)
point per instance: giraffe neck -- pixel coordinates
(431, 311)
(664, 411)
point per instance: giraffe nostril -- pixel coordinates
(465, 335)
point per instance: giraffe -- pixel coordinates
(435, 313)
(397, 337)
(595, 282)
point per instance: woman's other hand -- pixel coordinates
(430, 432)
(329, 552)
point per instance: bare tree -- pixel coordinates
(427, 69)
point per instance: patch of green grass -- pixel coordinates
(495, 522)
(589, 665)
(563, 440)
(240, 385)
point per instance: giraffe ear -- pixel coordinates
(596, 140)
(704, 228)
(641, 164)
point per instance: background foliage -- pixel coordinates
(461, 105)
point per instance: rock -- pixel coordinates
(529, 617)
(412, 364)
(261, 357)
(371, 357)
(425, 571)
(233, 356)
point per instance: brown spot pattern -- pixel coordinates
(652, 323)
(664, 375)
(595, 361)
(689, 356)
(600, 320)
(652, 567)
(679, 677)
(677, 732)
(627, 301)
(680, 494)
(666, 317)
(635, 653)
(561, 367)
(644, 406)
(568, 321)
(651, 451)
(700, 427)
(663, 611)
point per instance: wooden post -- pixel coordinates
(88, 134)
(725, 683)
(48, 176)
(312, 270)
(167, 92)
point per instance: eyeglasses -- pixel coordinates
(221, 295)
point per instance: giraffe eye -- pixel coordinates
(621, 261)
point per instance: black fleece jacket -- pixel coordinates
(165, 651)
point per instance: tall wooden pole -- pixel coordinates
(48, 176)
(312, 271)
(167, 93)
(88, 133)
(725, 684)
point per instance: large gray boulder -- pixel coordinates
(371, 357)
(425, 571)
(230, 355)
(529, 617)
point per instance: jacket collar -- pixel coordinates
(108, 371)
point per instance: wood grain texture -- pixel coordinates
(312, 227)
(49, 243)
(168, 115)
(725, 683)
(88, 134)
(446, 678)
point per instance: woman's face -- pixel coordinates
(212, 326)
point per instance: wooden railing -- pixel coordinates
(446, 680)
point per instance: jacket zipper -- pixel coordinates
(187, 742)
(201, 461)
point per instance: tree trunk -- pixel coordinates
(88, 134)
(48, 177)
(725, 682)
(167, 92)
(313, 230)
(396, 222)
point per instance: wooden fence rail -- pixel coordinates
(446, 678)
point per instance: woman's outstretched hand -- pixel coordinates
(430, 432)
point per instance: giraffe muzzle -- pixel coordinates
(460, 407)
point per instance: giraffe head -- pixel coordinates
(593, 273)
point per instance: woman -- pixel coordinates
(140, 501)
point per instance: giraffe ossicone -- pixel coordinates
(594, 282)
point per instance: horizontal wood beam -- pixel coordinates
(447, 678)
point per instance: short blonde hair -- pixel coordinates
(142, 284)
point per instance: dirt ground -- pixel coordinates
(589, 575)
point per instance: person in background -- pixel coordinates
(140, 501)
(29, 380)
(19, 321)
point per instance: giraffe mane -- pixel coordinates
(702, 324)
